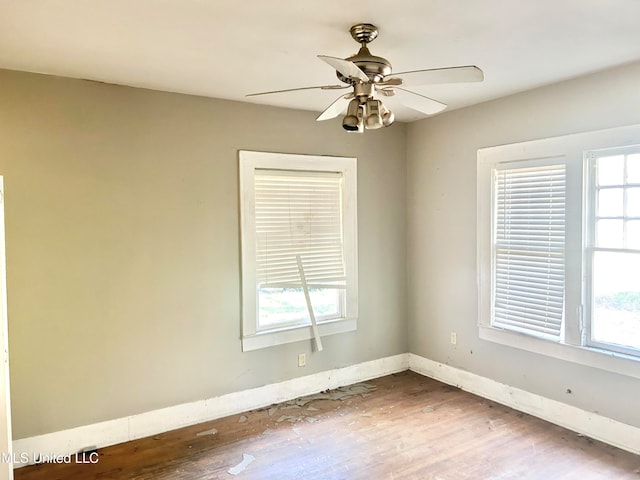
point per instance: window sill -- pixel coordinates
(592, 357)
(296, 334)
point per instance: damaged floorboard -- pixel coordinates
(402, 426)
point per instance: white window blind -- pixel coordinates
(299, 213)
(529, 249)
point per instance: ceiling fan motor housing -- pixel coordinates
(374, 67)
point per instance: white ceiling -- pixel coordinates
(228, 48)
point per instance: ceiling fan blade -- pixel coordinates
(321, 87)
(336, 108)
(345, 67)
(418, 102)
(469, 73)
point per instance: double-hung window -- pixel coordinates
(559, 247)
(298, 225)
(613, 249)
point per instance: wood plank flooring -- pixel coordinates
(402, 426)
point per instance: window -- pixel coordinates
(298, 221)
(613, 250)
(559, 247)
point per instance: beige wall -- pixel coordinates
(441, 218)
(123, 247)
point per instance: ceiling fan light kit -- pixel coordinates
(370, 78)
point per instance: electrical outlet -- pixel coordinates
(454, 338)
(302, 360)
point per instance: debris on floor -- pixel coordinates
(342, 393)
(288, 418)
(428, 409)
(290, 407)
(213, 431)
(246, 460)
(242, 419)
(295, 412)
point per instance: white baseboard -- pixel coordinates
(124, 429)
(120, 430)
(586, 423)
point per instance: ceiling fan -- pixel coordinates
(370, 78)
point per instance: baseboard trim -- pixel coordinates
(111, 432)
(586, 423)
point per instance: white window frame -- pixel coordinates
(571, 150)
(249, 161)
(591, 159)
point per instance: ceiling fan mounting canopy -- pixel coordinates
(364, 32)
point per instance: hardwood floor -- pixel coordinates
(402, 426)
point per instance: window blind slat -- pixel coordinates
(529, 242)
(523, 317)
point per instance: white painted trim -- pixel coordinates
(590, 424)
(593, 357)
(296, 334)
(249, 162)
(150, 423)
(6, 473)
